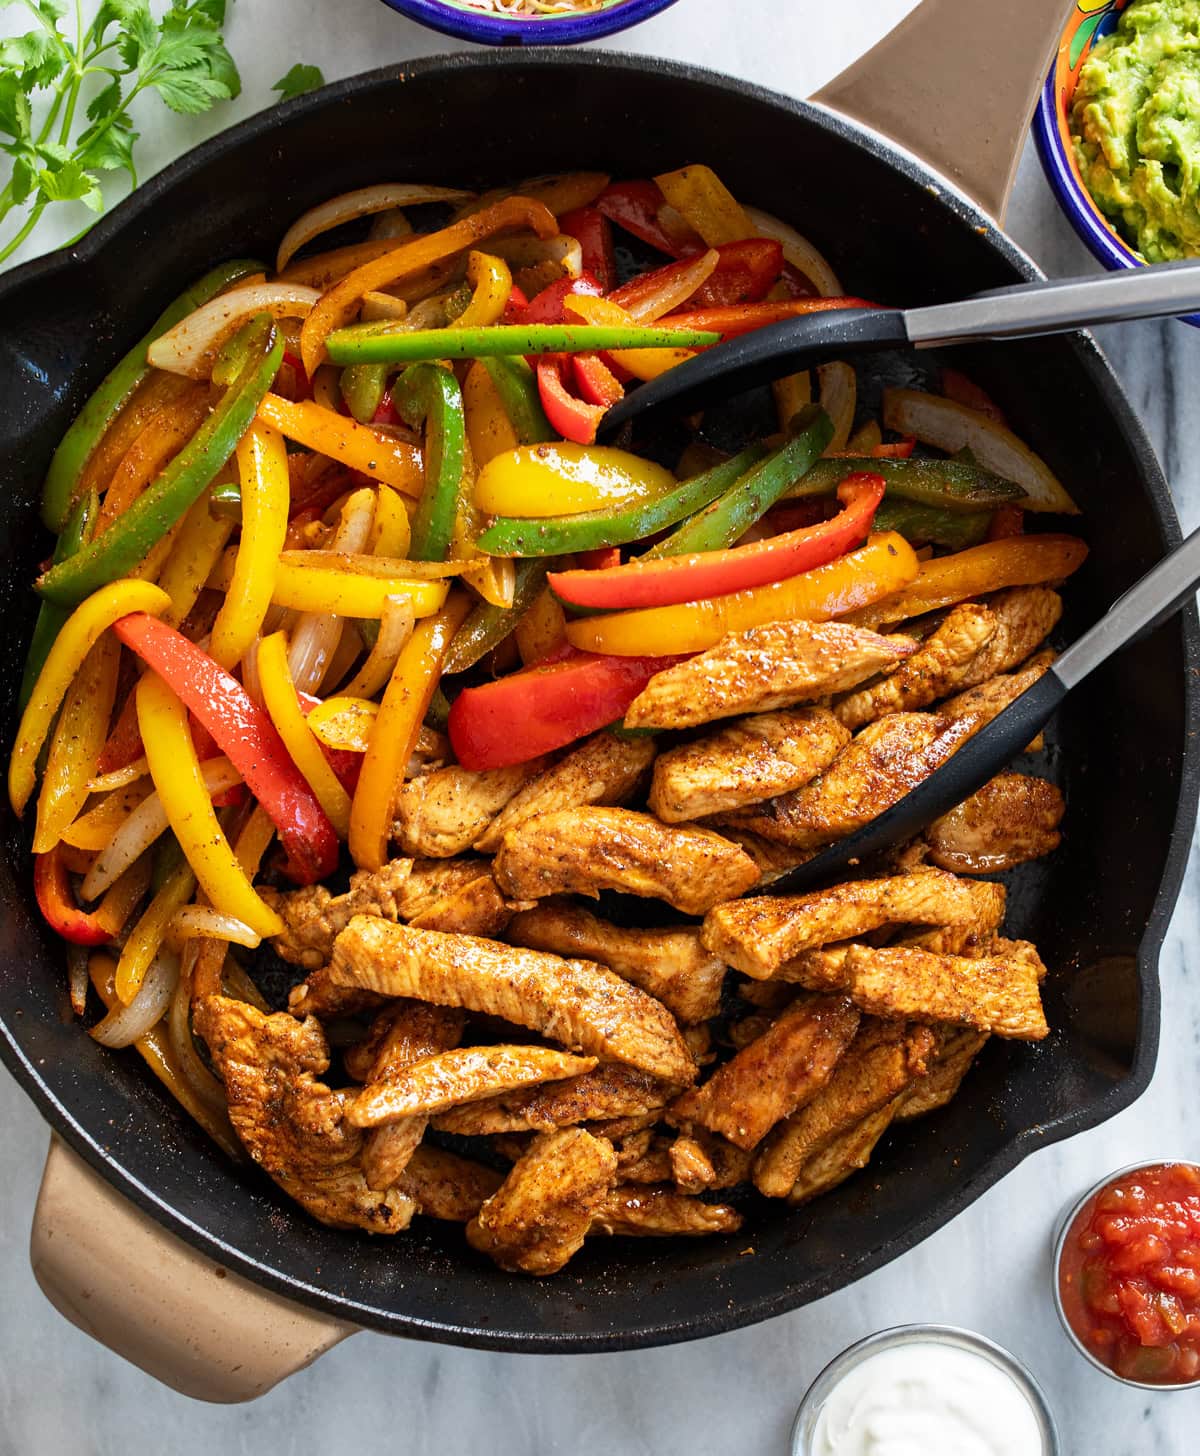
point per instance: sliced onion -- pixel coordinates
(839, 397)
(390, 224)
(189, 348)
(378, 306)
(325, 388)
(395, 628)
(183, 1047)
(678, 288)
(317, 634)
(203, 920)
(126, 1024)
(952, 427)
(347, 652)
(361, 203)
(120, 778)
(524, 252)
(77, 977)
(799, 252)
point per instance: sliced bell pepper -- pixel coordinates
(574, 419)
(542, 708)
(595, 381)
(391, 531)
(642, 363)
(950, 485)
(343, 724)
(746, 273)
(637, 207)
(742, 317)
(704, 202)
(145, 939)
(541, 631)
(516, 385)
(546, 307)
(52, 890)
(245, 734)
(491, 283)
(343, 593)
(651, 295)
(490, 432)
(665, 581)
(382, 457)
(429, 395)
(362, 387)
(1006, 521)
(565, 479)
(158, 442)
(487, 625)
(196, 551)
(77, 742)
(50, 618)
(885, 565)
(379, 343)
(932, 525)
(593, 232)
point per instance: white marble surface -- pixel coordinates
(62, 1395)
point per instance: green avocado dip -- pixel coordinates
(1135, 125)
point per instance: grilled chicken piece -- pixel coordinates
(443, 1185)
(990, 993)
(669, 964)
(663, 1213)
(443, 813)
(1012, 819)
(1025, 617)
(844, 1156)
(769, 1079)
(541, 1213)
(981, 704)
(291, 1124)
(773, 860)
(700, 1161)
(752, 759)
(760, 935)
(313, 917)
(456, 895)
(317, 995)
(609, 1091)
(774, 666)
(645, 1158)
(935, 669)
(588, 850)
(882, 1061)
(581, 1005)
(957, 1051)
(603, 770)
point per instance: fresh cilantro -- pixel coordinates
(299, 80)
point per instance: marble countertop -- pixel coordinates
(63, 1395)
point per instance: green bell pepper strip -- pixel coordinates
(375, 344)
(76, 533)
(558, 535)
(437, 715)
(226, 500)
(727, 519)
(246, 368)
(517, 387)
(952, 485)
(362, 387)
(62, 478)
(487, 626)
(922, 523)
(429, 394)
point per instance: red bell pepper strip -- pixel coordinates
(345, 763)
(545, 707)
(291, 381)
(514, 309)
(593, 232)
(547, 307)
(665, 581)
(636, 207)
(574, 419)
(742, 317)
(245, 734)
(897, 450)
(595, 381)
(386, 412)
(52, 890)
(745, 274)
(124, 744)
(601, 559)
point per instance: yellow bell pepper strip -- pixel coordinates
(560, 192)
(418, 669)
(704, 202)
(76, 743)
(488, 625)
(128, 891)
(79, 635)
(489, 429)
(884, 565)
(391, 533)
(515, 383)
(147, 936)
(491, 281)
(567, 479)
(382, 457)
(50, 618)
(344, 593)
(93, 830)
(542, 630)
(196, 551)
(175, 770)
(279, 695)
(337, 306)
(265, 489)
(493, 577)
(255, 353)
(252, 843)
(393, 344)
(344, 723)
(69, 460)
(428, 395)
(641, 363)
(323, 270)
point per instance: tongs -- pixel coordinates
(1159, 594)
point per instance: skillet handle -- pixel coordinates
(956, 82)
(152, 1299)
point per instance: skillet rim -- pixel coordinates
(720, 1319)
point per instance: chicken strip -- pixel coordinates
(604, 769)
(955, 1055)
(585, 851)
(443, 813)
(991, 993)
(774, 666)
(981, 704)
(663, 1213)
(759, 935)
(581, 1005)
(609, 1091)
(773, 860)
(935, 669)
(769, 1079)
(313, 917)
(1012, 819)
(755, 758)
(644, 1157)
(291, 1124)
(1025, 617)
(844, 1156)
(882, 1061)
(671, 964)
(541, 1213)
(701, 1161)
(445, 1186)
(457, 895)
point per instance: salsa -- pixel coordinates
(1129, 1274)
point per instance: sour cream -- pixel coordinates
(924, 1398)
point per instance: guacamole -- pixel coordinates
(1135, 124)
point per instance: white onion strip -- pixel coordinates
(120, 778)
(839, 398)
(799, 252)
(395, 628)
(190, 347)
(317, 634)
(126, 1024)
(203, 920)
(678, 288)
(520, 252)
(183, 1047)
(362, 203)
(77, 977)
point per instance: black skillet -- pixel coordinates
(1125, 741)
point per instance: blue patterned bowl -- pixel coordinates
(468, 22)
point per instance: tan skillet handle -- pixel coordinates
(956, 83)
(121, 1278)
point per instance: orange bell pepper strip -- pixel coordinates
(196, 551)
(740, 318)
(162, 438)
(77, 743)
(337, 307)
(147, 935)
(378, 455)
(882, 567)
(641, 363)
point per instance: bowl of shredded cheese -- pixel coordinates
(529, 22)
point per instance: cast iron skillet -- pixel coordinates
(1098, 908)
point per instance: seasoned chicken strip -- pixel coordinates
(456, 895)
(700, 1161)
(744, 762)
(644, 1158)
(773, 860)
(443, 1185)
(663, 1213)
(774, 666)
(609, 1091)
(585, 851)
(991, 993)
(981, 704)
(955, 1055)
(541, 1213)
(935, 669)
(603, 770)
(292, 1125)
(759, 935)
(1012, 819)
(313, 917)
(1025, 617)
(882, 1061)
(844, 1156)
(443, 813)
(581, 1005)
(671, 964)
(769, 1079)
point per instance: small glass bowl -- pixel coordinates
(805, 1425)
(1060, 1240)
(455, 17)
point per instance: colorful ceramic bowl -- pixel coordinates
(1090, 21)
(469, 22)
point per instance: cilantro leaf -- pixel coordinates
(70, 183)
(16, 116)
(299, 80)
